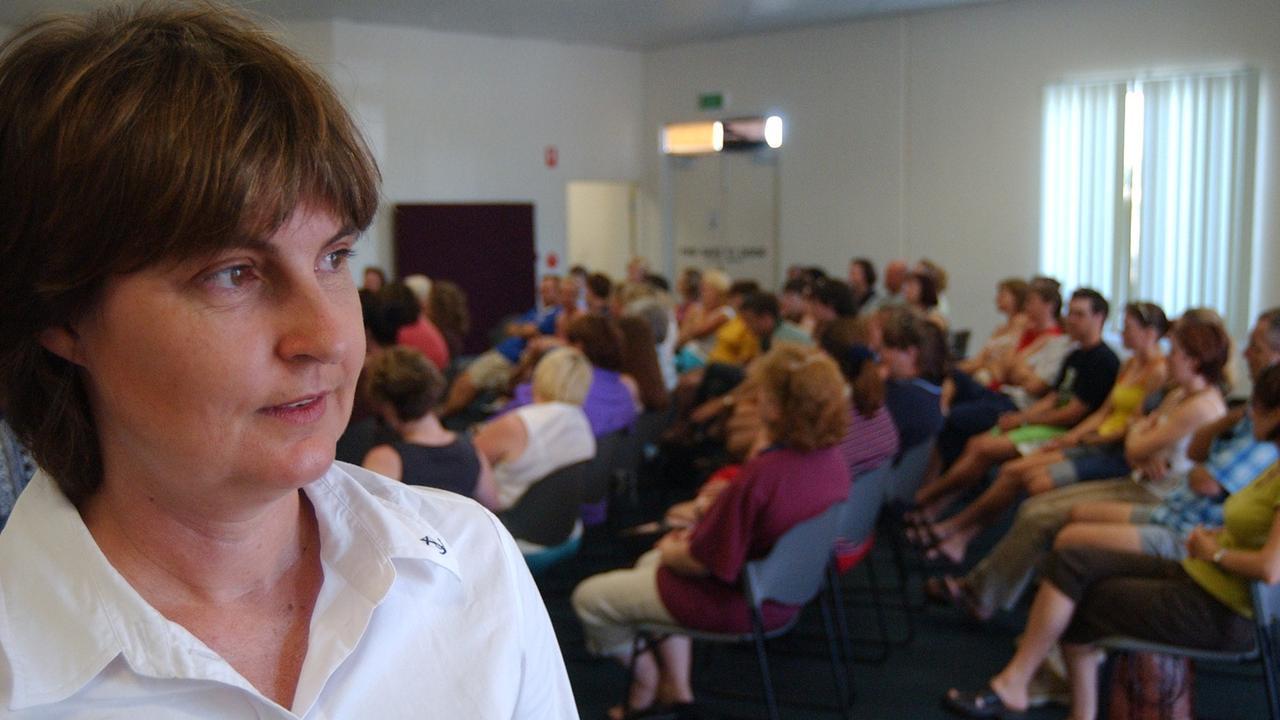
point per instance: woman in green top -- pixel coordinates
(1201, 602)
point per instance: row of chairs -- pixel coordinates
(550, 510)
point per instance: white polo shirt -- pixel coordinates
(426, 611)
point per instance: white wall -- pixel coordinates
(462, 118)
(920, 135)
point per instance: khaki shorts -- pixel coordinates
(490, 371)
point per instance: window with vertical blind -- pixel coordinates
(1147, 189)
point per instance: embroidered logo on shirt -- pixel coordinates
(436, 543)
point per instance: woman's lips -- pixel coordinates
(301, 411)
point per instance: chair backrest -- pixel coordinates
(793, 571)
(548, 510)
(1266, 609)
(862, 507)
(598, 482)
(908, 472)
(958, 343)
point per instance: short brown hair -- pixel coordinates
(1200, 334)
(1017, 287)
(132, 137)
(800, 380)
(845, 340)
(404, 378)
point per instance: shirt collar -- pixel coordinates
(88, 614)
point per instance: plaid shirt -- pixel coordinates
(1235, 460)
(16, 470)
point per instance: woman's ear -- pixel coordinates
(64, 342)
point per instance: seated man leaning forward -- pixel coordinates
(179, 196)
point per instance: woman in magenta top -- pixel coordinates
(691, 577)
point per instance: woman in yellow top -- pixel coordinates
(1201, 602)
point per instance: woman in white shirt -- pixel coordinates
(179, 198)
(532, 441)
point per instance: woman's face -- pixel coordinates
(1005, 302)
(911, 290)
(229, 377)
(1135, 335)
(1265, 422)
(901, 362)
(1182, 368)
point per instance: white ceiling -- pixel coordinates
(633, 24)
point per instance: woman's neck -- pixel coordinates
(173, 553)
(426, 430)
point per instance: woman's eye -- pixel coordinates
(232, 278)
(337, 260)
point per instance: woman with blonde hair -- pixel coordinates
(690, 578)
(532, 441)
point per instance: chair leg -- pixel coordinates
(1266, 648)
(839, 671)
(762, 658)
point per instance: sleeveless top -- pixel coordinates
(454, 467)
(558, 435)
(1126, 400)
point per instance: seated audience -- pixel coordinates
(735, 344)
(400, 307)
(1029, 374)
(862, 282)
(895, 274)
(871, 438)
(1011, 296)
(613, 400)
(1082, 386)
(828, 300)
(640, 362)
(1154, 446)
(936, 273)
(998, 580)
(447, 308)
(491, 371)
(688, 288)
(793, 304)
(1201, 602)
(374, 278)
(914, 356)
(599, 293)
(691, 577)
(405, 387)
(761, 314)
(536, 439)
(698, 331)
(921, 294)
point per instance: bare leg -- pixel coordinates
(1050, 614)
(1082, 668)
(982, 452)
(674, 685)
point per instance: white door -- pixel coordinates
(724, 213)
(601, 226)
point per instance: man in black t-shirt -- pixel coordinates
(1081, 387)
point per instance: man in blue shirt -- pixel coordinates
(492, 369)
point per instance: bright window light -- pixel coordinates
(773, 131)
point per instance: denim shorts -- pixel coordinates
(1089, 462)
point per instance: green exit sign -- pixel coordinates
(711, 101)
